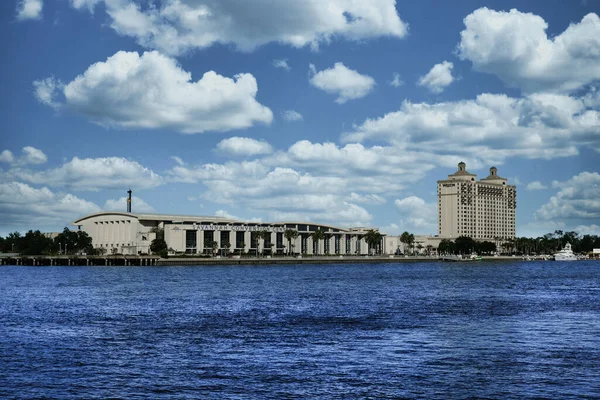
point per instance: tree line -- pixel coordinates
(67, 242)
(549, 243)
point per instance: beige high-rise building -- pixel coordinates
(482, 210)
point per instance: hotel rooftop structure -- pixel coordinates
(132, 233)
(482, 210)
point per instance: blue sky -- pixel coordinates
(340, 112)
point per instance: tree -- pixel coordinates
(429, 248)
(446, 246)
(35, 243)
(318, 235)
(464, 245)
(419, 248)
(263, 235)
(373, 238)
(290, 234)
(215, 246)
(14, 242)
(408, 239)
(72, 242)
(158, 246)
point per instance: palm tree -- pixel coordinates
(419, 247)
(373, 238)
(290, 234)
(407, 239)
(318, 235)
(263, 235)
(429, 248)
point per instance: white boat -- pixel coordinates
(565, 254)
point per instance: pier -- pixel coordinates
(79, 260)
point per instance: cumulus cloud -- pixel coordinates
(515, 47)
(242, 146)
(577, 198)
(417, 216)
(281, 64)
(152, 91)
(137, 205)
(488, 129)
(535, 185)
(396, 81)
(346, 83)
(291, 116)
(29, 9)
(7, 156)
(26, 207)
(92, 174)
(31, 155)
(178, 26)
(438, 78)
(314, 181)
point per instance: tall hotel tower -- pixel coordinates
(482, 210)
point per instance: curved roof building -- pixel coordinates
(132, 233)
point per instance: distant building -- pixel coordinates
(482, 210)
(132, 233)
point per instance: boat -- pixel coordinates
(565, 254)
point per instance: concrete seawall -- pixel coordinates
(175, 261)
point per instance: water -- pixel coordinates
(437, 330)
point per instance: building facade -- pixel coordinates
(482, 210)
(132, 233)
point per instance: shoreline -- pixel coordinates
(197, 261)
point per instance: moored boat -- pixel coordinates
(565, 254)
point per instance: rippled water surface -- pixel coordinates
(426, 330)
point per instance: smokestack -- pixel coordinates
(129, 201)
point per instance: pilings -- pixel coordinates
(80, 260)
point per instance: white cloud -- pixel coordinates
(89, 4)
(438, 78)
(29, 9)
(592, 229)
(366, 198)
(242, 146)
(178, 26)
(24, 206)
(152, 91)
(137, 205)
(535, 185)
(225, 214)
(346, 83)
(178, 160)
(93, 174)
(31, 155)
(514, 46)
(396, 81)
(281, 64)
(577, 198)
(313, 181)
(45, 91)
(291, 116)
(417, 216)
(7, 156)
(488, 129)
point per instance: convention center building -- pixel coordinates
(132, 233)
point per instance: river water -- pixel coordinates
(420, 330)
